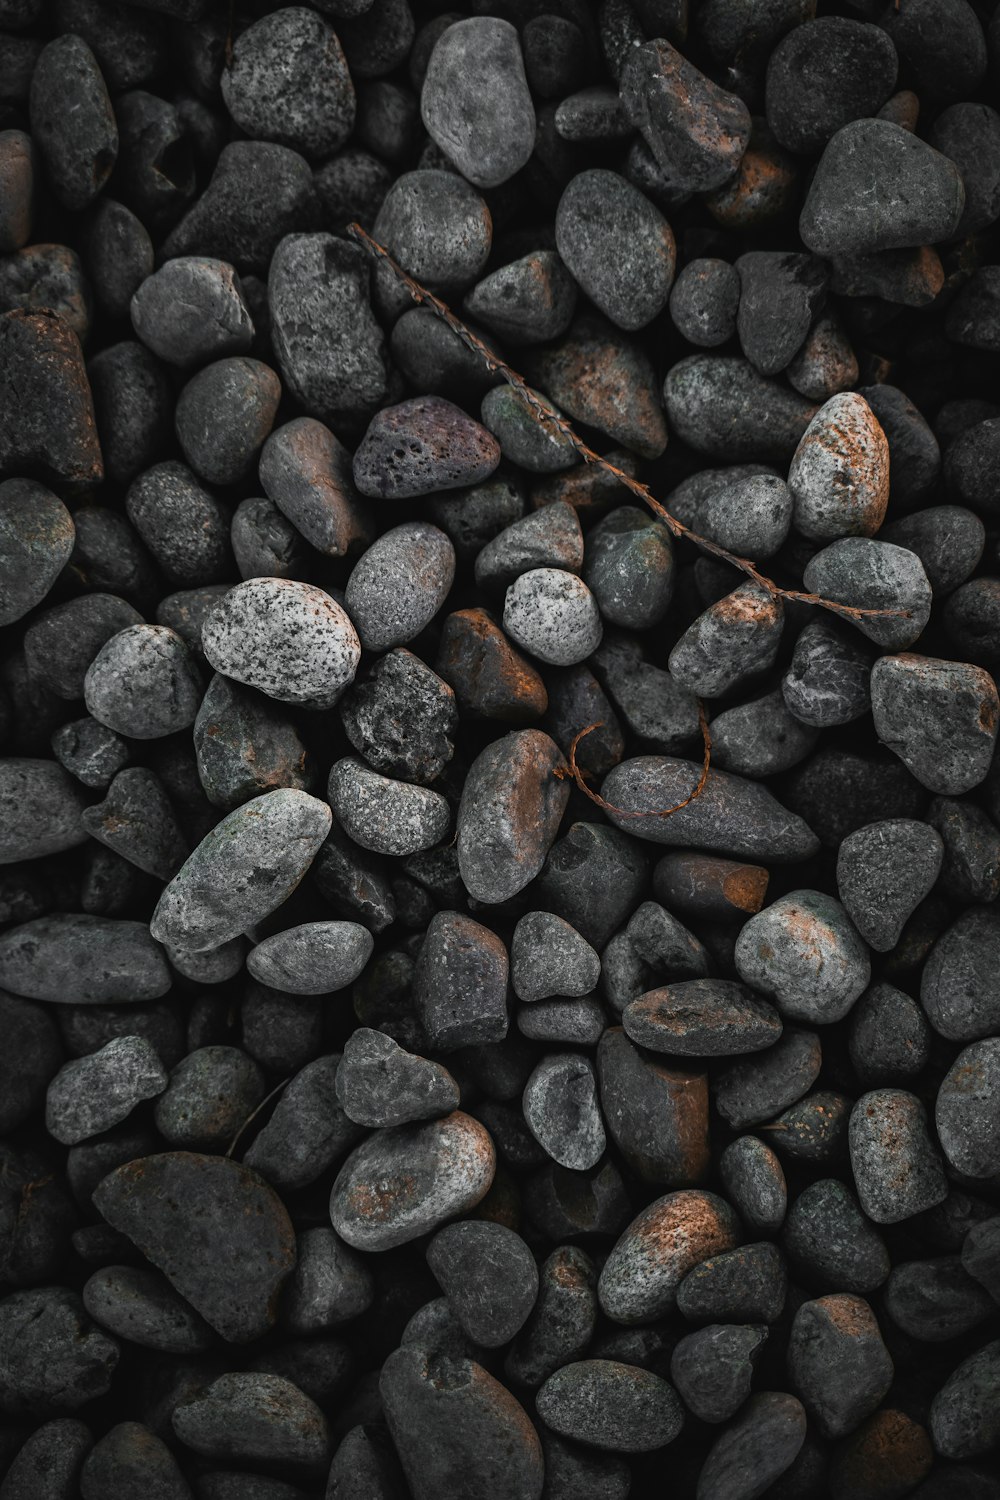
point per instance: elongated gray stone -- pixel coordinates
(40, 807)
(240, 872)
(74, 959)
(509, 814)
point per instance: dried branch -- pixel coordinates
(547, 414)
(574, 773)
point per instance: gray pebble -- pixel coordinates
(549, 957)
(630, 567)
(648, 1263)
(48, 1463)
(511, 807)
(612, 1405)
(307, 1131)
(211, 1092)
(91, 1094)
(981, 1254)
(562, 1111)
(73, 959)
(897, 1168)
(760, 738)
(184, 526)
(192, 311)
(722, 407)
(712, 1369)
(754, 1181)
(307, 473)
(407, 1181)
(704, 300)
(531, 441)
(438, 229)
(245, 747)
(254, 1418)
(288, 639)
(804, 952)
(73, 124)
(421, 446)
(242, 871)
(136, 1303)
(460, 983)
(527, 301)
(827, 682)
(314, 959)
(697, 131)
(572, 1023)
(401, 717)
(55, 1359)
(137, 821)
(329, 347)
(144, 683)
(958, 985)
(869, 574)
(965, 1113)
(265, 543)
(36, 541)
(489, 1277)
(603, 378)
(748, 512)
(547, 538)
(223, 416)
(884, 871)
(889, 1038)
(40, 809)
(475, 101)
(830, 1243)
(839, 478)
(331, 1285)
(964, 1420)
(131, 1457)
(380, 1084)
(288, 81)
(780, 294)
(227, 1255)
(745, 1285)
(91, 752)
(702, 1018)
(561, 1324)
(735, 638)
(757, 1448)
(553, 616)
(385, 815)
(936, 1300)
(617, 245)
(399, 584)
(748, 1093)
(838, 1362)
(939, 717)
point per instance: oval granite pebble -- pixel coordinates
(641, 1275)
(313, 959)
(77, 959)
(611, 1405)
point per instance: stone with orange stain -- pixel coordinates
(805, 953)
(407, 1181)
(490, 678)
(562, 1321)
(599, 376)
(697, 131)
(641, 1275)
(838, 1363)
(966, 1114)
(939, 717)
(839, 476)
(245, 746)
(705, 886)
(702, 1018)
(510, 811)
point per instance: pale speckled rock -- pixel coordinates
(91, 1094)
(288, 81)
(805, 953)
(549, 957)
(475, 101)
(385, 815)
(228, 1254)
(736, 637)
(288, 639)
(553, 616)
(839, 476)
(732, 816)
(650, 1260)
(399, 584)
(242, 871)
(898, 1170)
(939, 717)
(144, 683)
(406, 1181)
(874, 575)
(511, 807)
(306, 472)
(313, 959)
(73, 959)
(561, 1110)
(40, 807)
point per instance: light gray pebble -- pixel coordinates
(898, 1170)
(385, 815)
(562, 1111)
(873, 575)
(475, 100)
(380, 1084)
(939, 717)
(630, 567)
(839, 476)
(397, 586)
(191, 311)
(91, 1094)
(144, 683)
(512, 804)
(553, 616)
(549, 957)
(805, 953)
(288, 639)
(314, 959)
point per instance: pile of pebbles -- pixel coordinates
(382, 1115)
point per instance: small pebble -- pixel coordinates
(612, 1405)
(898, 1171)
(838, 1362)
(475, 101)
(488, 1275)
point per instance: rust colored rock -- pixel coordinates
(598, 376)
(885, 1457)
(703, 886)
(641, 1275)
(656, 1114)
(489, 676)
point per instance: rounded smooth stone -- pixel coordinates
(72, 122)
(965, 1421)
(512, 805)
(898, 1171)
(753, 1091)
(40, 809)
(743, 509)
(531, 441)
(140, 1305)
(437, 228)
(47, 423)
(958, 984)
(223, 416)
(421, 446)
(745, 1285)
(934, 1301)
(755, 1450)
(288, 81)
(702, 1018)
(553, 616)
(662, 1244)
(227, 1255)
(889, 1038)
(211, 1093)
(242, 871)
(657, 1115)
(824, 74)
(331, 1285)
(55, 1359)
(805, 953)
(409, 1180)
(884, 871)
(48, 1463)
(939, 717)
(948, 539)
(184, 526)
(723, 408)
(827, 682)
(965, 1113)
(475, 101)
(838, 1362)
(314, 959)
(78, 959)
(489, 1277)
(839, 477)
(617, 245)
(629, 568)
(245, 746)
(873, 575)
(92, 1094)
(398, 585)
(713, 1368)
(562, 1111)
(704, 300)
(384, 815)
(830, 1242)
(549, 957)
(36, 541)
(526, 301)
(254, 1418)
(754, 1181)
(611, 1405)
(288, 639)
(130, 1457)
(456, 1428)
(144, 683)
(192, 311)
(547, 538)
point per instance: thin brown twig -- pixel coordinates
(254, 1113)
(574, 773)
(547, 414)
